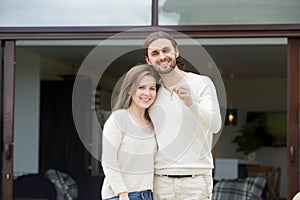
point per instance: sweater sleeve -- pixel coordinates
(205, 105)
(112, 139)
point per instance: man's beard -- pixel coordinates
(166, 71)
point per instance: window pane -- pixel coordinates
(74, 13)
(195, 12)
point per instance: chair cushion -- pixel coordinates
(89, 187)
(239, 189)
(66, 187)
(33, 186)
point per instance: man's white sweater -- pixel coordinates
(184, 134)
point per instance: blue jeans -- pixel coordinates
(143, 195)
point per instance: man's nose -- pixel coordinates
(161, 54)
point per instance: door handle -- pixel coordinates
(8, 148)
(292, 154)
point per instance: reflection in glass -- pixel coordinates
(194, 12)
(74, 13)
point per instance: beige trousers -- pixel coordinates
(191, 188)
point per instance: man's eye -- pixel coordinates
(166, 50)
(154, 54)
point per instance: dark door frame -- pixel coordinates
(293, 117)
(8, 118)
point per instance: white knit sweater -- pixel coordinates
(184, 134)
(127, 155)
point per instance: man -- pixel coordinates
(185, 114)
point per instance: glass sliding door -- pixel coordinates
(253, 71)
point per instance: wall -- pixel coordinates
(52, 69)
(26, 118)
(254, 94)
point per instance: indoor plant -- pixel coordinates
(253, 136)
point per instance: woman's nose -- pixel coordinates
(147, 91)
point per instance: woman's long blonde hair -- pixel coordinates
(130, 84)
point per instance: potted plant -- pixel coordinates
(253, 136)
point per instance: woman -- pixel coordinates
(129, 142)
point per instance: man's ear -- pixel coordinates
(177, 52)
(147, 60)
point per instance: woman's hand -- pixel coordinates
(123, 196)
